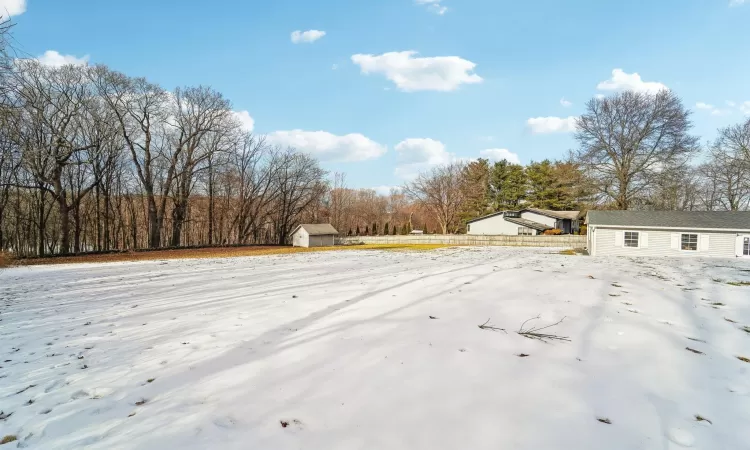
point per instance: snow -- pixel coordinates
(340, 347)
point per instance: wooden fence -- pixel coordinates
(567, 241)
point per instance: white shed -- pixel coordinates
(314, 235)
(669, 233)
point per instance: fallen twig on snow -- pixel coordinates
(485, 326)
(534, 332)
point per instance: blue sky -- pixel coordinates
(487, 76)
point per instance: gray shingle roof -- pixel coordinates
(528, 223)
(732, 220)
(319, 229)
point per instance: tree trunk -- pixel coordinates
(64, 224)
(154, 223)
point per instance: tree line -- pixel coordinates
(635, 151)
(92, 159)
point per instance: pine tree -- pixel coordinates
(367, 230)
(386, 230)
(350, 232)
(394, 230)
(357, 230)
(374, 229)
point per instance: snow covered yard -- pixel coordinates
(377, 350)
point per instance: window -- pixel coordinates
(746, 247)
(468, 228)
(689, 242)
(631, 239)
(523, 231)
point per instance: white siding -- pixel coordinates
(662, 243)
(493, 226)
(301, 238)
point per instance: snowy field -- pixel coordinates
(338, 351)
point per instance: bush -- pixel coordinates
(553, 232)
(582, 231)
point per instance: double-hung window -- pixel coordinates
(631, 239)
(689, 242)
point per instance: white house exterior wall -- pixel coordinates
(602, 242)
(493, 226)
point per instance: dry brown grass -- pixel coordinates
(5, 260)
(212, 252)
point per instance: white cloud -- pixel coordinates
(737, 2)
(329, 147)
(246, 122)
(307, 37)
(566, 103)
(731, 104)
(10, 8)
(745, 108)
(53, 58)
(384, 190)
(499, 154)
(419, 154)
(335, 67)
(435, 6)
(411, 73)
(622, 81)
(542, 125)
(710, 108)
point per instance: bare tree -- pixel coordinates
(440, 191)
(727, 169)
(628, 139)
(299, 183)
(196, 114)
(141, 111)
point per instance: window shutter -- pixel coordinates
(704, 242)
(644, 240)
(619, 238)
(676, 241)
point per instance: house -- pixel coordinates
(314, 235)
(669, 233)
(526, 222)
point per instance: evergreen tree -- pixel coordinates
(357, 230)
(374, 229)
(404, 229)
(367, 230)
(508, 185)
(386, 230)
(395, 229)
(350, 232)
(475, 189)
(557, 186)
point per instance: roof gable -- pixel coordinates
(317, 229)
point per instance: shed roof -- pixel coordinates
(731, 220)
(318, 229)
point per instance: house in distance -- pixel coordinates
(526, 222)
(314, 235)
(669, 233)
